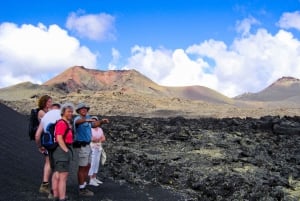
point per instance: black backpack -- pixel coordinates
(48, 137)
(33, 123)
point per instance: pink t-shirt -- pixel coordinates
(97, 133)
(60, 129)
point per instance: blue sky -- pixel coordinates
(165, 40)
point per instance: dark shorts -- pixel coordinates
(61, 160)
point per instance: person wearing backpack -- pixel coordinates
(63, 153)
(36, 114)
(83, 125)
(44, 105)
(50, 117)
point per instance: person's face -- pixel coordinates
(68, 114)
(49, 103)
(53, 107)
(83, 111)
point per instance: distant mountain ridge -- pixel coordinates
(130, 93)
(79, 78)
(284, 89)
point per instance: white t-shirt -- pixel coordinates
(50, 117)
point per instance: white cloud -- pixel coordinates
(250, 63)
(290, 20)
(115, 59)
(187, 71)
(96, 27)
(31, 53)
(244, 26)
(170, 68)
(156, 64)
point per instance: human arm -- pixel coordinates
(38, 135)
(103, 138)
(41, 114)
(81, 120)
(61, 143)
(99, 123)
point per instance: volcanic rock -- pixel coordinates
(209, 159)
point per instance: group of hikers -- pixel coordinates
(80, 137)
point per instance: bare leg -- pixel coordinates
(81, 175)
(47, 170)
(62, 185)
(86, 171)
(55, 180)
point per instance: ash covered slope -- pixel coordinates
(21, 164)
(284, 89)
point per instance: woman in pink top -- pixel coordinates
(96, 145)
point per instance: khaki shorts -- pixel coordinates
(60, 160)
(84, 155)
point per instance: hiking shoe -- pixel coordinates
(45, 188)
(56, 199)
(50, 196)
(85, 192)
(98, 181)
(93, 182)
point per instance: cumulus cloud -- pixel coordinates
(156, 64)
(113, 65)
(290, 20)
(248, 64)
(32, 53)
(244, 26)
(96, 27)
(252, 63)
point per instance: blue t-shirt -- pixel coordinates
(83, 132)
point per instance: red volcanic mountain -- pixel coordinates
(79, 78)
(284, 89)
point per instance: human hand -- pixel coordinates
(104, 121)
(42, 150)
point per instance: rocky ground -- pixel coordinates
(21, 170)
(170, 159)
(208, 159)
